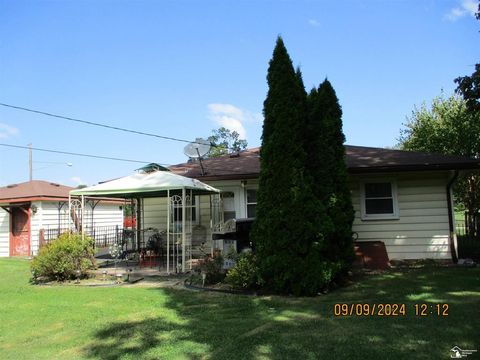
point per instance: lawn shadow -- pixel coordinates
(202, 325)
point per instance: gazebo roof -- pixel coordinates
(142, 184)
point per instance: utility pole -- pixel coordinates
(30, 161)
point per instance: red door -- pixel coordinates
(20, 232)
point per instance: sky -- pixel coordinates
(183, 68)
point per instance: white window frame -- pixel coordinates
(246, 199)
(393, 216)
(195, 209)
(234, 210)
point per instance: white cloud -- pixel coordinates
(470, 6)
(77, 181)
(467, 7)
(313, 23)
(232, 117)
(6, 131)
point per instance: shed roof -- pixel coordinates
(33, 190)
(360, 159)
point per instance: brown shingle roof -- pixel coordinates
(360, 159)
(35, 189)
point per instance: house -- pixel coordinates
(37, 211)
(401, 198)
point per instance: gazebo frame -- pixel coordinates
(160, 183)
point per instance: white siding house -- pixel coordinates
(418, 227)
(399, 197)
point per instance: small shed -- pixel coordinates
(36, 211)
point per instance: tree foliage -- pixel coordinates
(326, 163)
(281, 231)
(469, 86)
(224, 142)
(292, 226)
(447, 127)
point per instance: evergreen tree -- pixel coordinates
(285, 232)
(326, 164)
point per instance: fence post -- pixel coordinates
(41, 238)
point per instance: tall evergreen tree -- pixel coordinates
(285, 232)
(326, 164)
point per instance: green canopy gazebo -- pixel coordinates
(147, 182)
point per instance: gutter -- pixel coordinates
(451, 236)
(414, 167)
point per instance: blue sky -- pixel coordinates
(183, 68)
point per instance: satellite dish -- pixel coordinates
(196, 149)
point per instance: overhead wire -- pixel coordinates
(78, 154)
(230, 171)
(92, 123)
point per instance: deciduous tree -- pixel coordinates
(448, 127)
(469, 86)
(225, 141)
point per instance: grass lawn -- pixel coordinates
(68, 322)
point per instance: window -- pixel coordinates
(251, 202)
(379, 200)
(177, 213)
(228, 201)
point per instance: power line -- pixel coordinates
(78, 154)
(228, 171)
(101, 125)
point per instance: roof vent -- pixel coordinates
(152, 167)
(235, 155)
(55, 184)
(11, 186)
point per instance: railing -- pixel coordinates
(104, 235)
(460, 228)
(468, 237)
(469, 225)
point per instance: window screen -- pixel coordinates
(251, 202)
(379, 199)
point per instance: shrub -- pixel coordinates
(468, 247)
(212, 267)
(61, 258)
(244, 274)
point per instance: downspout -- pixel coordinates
(451, 227)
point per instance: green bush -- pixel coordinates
(244, 274)
(212, 267)
(468, 247)
(61, 258)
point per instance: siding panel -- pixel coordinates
(155, 215)
(422, 230)
(4, 233)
